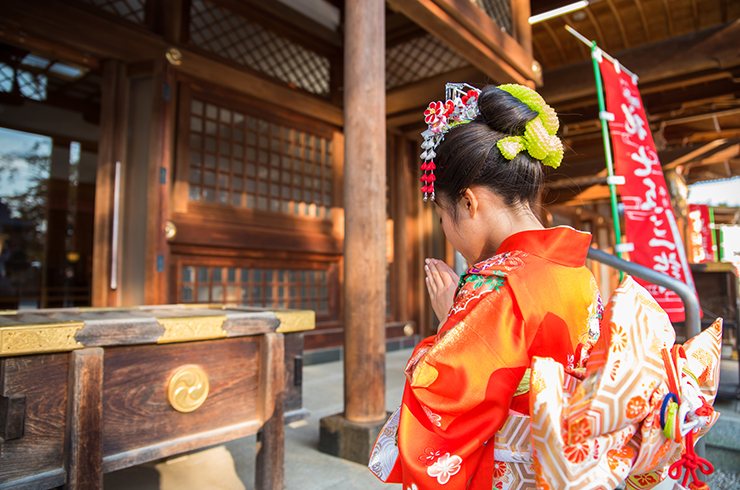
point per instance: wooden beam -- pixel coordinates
(289, 23)
(420, 94)
(476, 21)
(710, 49)
(102, 39)
(440, 24)
(521, 28)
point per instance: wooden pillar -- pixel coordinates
(364, 207)
(399, 192)
(159, 177)
(351, 435)
(111, 149)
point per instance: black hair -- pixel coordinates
(468, 155)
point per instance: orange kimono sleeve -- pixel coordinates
(458, 394)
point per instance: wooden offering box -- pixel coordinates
(88, 391)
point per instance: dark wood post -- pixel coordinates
(270, 467)
(364, 208)
(84, 447)
(352, 434)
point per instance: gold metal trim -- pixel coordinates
(37, 339)
(183, 329)
(295, 320)
(188, 388)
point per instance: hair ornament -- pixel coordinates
(461, 107)
(540, 134)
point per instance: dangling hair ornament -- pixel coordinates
(539, 139)
(461, 107)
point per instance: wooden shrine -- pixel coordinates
(88, 391)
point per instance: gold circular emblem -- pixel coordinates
(188, 388)
(408, 330)
(174, 56)
(170, 230)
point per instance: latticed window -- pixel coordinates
(417, 59)
(306, 289)
(225, 33)
(236, 159)
(498, 10)
(30, 85)
(133, 10)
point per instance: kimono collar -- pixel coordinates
(562, 245)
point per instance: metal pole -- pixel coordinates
(687, 295)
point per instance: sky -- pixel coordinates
(18, 142)
(716, 192)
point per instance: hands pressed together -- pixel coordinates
(441, 283)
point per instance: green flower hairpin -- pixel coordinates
(540, 134)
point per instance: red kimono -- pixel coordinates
(534, 298)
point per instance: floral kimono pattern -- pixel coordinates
(534, 298)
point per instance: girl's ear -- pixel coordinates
(470, 203)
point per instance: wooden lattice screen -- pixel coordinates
(227, 34)
(499, 11)
(133, 10)
(272, 288)
(417, 59)
(240, 160)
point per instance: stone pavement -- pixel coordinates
(231, 466)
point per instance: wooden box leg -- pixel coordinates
(270, 470)
(84, 437)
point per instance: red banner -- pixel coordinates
(700, 235)
(650, 225)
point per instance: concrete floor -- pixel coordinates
(231, 466)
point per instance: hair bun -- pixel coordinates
(503, 112)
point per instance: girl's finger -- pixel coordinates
(431, 283)
(435, 275)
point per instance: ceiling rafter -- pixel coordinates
(597, 27)
(695, 11)
(620, 24)
(668, 17)
(540, 54)
(638, 4)
(555, 40)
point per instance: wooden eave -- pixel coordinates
(472, 38)
(710, 49)
(29, 22)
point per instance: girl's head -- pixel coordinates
(468, 156)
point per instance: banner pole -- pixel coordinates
(605, 135)
(715, 249)
(607, 151)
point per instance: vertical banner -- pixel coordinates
(650, 225)
(700, 234)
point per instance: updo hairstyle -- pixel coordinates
(468, 155)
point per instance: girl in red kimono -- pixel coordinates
(527, 315)
(527, 294)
